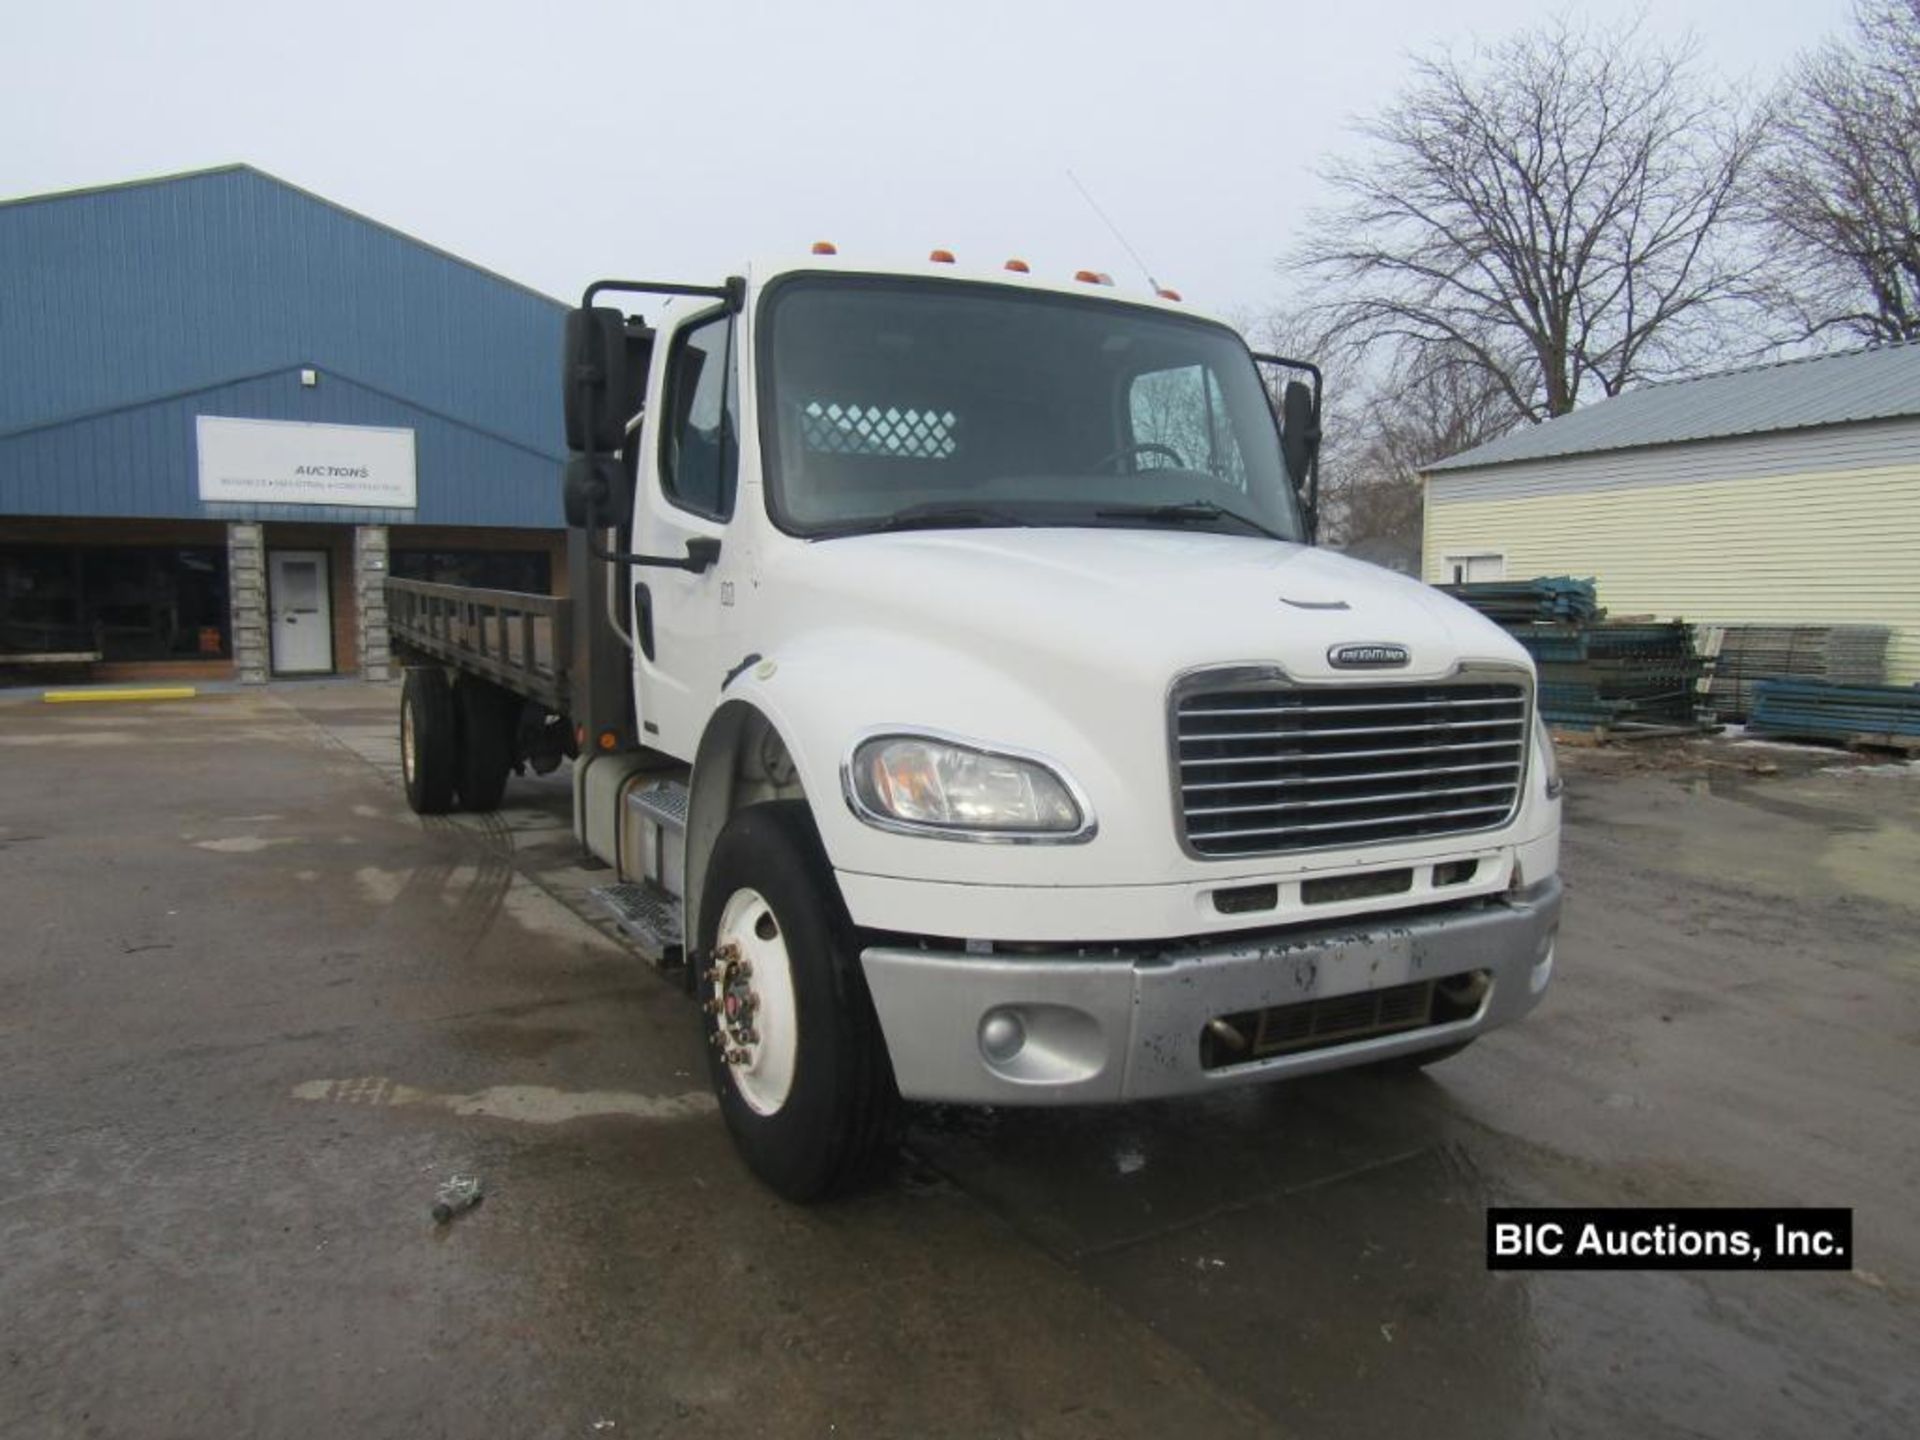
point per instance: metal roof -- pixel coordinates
(127, 310)
(1876, 384)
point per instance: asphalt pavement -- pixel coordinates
(253, 1012)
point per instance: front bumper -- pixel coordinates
(1099, 1030)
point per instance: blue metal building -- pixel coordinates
(227, 405)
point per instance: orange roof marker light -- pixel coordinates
(1092, 277)
(1166, 294)
(1019, 267)
(825, 247)
(941, 257)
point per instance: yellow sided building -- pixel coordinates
(1782, 494)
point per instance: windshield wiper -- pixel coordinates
(936, 515)
(1179, 512)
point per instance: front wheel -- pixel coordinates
(796, 1053)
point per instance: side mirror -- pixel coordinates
(1300, 448)
(596, 493)
(1299, 432)
(702, 553)
(603, 376)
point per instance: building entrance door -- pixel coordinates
(300, 612)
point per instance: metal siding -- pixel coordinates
(1877, 384)
(1833, 448)
(1805, 548)
(141, 461)
(112, 299)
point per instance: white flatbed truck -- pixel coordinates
(953, 686)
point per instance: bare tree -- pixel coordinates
(1383, 426)
(1555, 213)
(1841, 181)
(1449, 404)
(1406, 421)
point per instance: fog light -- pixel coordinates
(1466, 991)
(1002, 1035)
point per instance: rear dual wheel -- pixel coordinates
(796, 1053)
(456, 741)
(488, 718)
(429, 740)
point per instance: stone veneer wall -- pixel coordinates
(247, 602)
(370, 601)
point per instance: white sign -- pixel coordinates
(288, 462)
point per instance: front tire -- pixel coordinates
(429, 740)
(795, 1050)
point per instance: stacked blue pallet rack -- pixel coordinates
(1879, 716)
(1626, 677)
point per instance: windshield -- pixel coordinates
(894, 404)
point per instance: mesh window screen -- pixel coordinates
(830, 428)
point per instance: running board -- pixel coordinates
(647, 916)
(653, 837)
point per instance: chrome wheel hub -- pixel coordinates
(749, 992)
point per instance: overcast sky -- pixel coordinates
(562, 141)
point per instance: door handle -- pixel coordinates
(643, 619)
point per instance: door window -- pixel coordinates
(300, 585)
(1180, 422)
(700, 448)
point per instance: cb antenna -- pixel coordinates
(1107, 220)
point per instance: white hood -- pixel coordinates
(1064, 644)
(1149, 602)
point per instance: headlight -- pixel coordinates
(1550, 763)
(936, 786)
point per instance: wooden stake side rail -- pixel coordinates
(518, 641)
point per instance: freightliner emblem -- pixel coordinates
(1367, 657)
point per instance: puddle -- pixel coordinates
(517, 1041)
(1879, 864)
(526, 1104)
(1835, 819)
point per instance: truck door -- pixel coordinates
(687, 477)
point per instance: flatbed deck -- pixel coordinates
(519, 641)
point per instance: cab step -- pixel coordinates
(664, 802)
(646, 915)
(653, 836)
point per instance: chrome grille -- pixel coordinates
(1266, 767)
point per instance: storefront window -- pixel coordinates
(528, 571)
(128, 602)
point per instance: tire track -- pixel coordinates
(485, 843)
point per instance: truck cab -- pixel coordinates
(956, 688)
